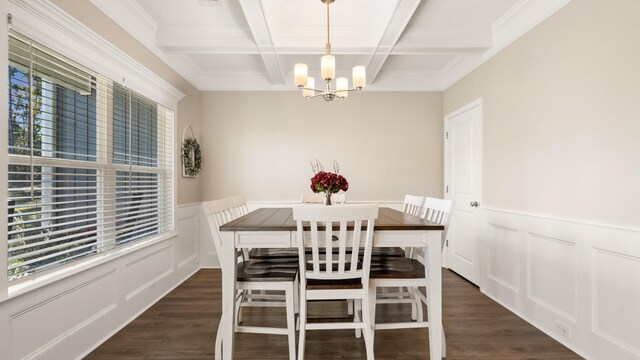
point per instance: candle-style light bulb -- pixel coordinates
(328, 65)
(359, 77)
(311, 83)
(301, 74)
(342, 84)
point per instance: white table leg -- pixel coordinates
(228, 265)
(434, 277)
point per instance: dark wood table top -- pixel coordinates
(281, 219)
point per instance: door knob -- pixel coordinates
(474, 204)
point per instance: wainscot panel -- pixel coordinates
(576, 281)
(82, 310)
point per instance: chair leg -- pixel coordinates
(218, 346)
(414, 310)
(444, 344)
(372, 311)
(296, 297)
(367, 330)
(429, 319)
(417, 303)
(303, 324)
(239, 306)
(291, 320)
(357, 315)
(350, 306)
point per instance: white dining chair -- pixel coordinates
(409, 272)
(413, 204)
(338, 275)
(318, 198)
(239, 204)
(255, 275)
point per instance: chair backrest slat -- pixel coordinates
(345, 216)
(342, 246)
(438, 211)
(328, 246)
(315, 252)
(413, 205)
(357, 233)
(239, 204)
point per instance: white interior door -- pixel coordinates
(463, 185)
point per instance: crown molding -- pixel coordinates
(46, 23)
(130, 16)
(517, 21)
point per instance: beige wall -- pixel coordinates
(188, 108)
(260, 143)
(562, 123)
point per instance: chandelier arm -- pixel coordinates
(312, 89)
(314, 96)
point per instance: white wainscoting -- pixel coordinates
(70, 317)
(578, 282)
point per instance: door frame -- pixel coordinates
(447, 177)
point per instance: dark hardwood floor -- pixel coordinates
(183, 326)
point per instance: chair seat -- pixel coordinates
(270, 253)
(396, 268)
(263, 270)
(386, 251)
(292, 253)
(314, 284)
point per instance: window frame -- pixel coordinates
(47, 24)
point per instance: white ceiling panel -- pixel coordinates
(408, 45)
(193, 13)
(299, 23)
(459, 13)
(417, 63)
(248, 63)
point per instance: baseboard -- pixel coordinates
(538, 326)
(136, 315)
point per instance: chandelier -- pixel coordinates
(306, 83)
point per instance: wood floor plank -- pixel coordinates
(183, 325)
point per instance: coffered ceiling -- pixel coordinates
(254, 44)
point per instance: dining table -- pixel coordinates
(276, 228)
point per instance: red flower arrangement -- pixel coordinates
(327, 182)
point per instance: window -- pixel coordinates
(90, 165)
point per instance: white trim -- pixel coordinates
(564, 219)
(447, 155)
(76, 339)
(519, 20)
(129, 18)
(4, 135)
(32, 283)
(465, 108)
(137, 314)
(48, 24)
(538, 326)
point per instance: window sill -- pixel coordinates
(39, 281)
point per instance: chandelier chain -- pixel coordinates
(328, 31)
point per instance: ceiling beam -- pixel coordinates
(254, 13)
(401, 16)
(205, 40)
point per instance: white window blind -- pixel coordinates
(90, 162)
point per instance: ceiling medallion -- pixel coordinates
(306, 83)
